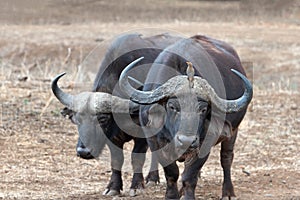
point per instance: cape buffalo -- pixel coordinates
(185, 115)
(102, 116)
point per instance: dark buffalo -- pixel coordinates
(102, 116)
(185, 115)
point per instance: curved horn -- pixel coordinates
(100, 102)
(236, 105)
(141, 97)
(64, 98)
(173, 85)
(205, 91)
(93, 102)
(169, 88)
(149, 97)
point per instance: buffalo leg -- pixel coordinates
(153, 176)
(137, 160)
(226, 161)
(190, 177)
(172, 174)
(117, 159)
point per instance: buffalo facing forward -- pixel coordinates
(187, 110)
(95, 112)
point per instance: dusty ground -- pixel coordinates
(37, 145)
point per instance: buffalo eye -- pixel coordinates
(172, 107)
(201, 109)
(102, 118)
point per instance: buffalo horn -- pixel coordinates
(180, 83)
(64, 98)
(94, 102)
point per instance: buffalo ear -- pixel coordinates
(220, 127)
(67, 112)
(156, 116)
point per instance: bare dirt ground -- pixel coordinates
(37, 146)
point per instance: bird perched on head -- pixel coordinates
(190, 72)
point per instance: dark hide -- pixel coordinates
(185, 124)
(122, 51)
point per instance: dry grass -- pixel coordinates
(77, 11)
(37, 145)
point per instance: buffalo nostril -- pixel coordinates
(83, 152)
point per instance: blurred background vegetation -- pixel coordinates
(89, 11)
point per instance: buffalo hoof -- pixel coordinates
(153, 176)
(228, 198)
(108, 192)
(135, 192)
(151, 184)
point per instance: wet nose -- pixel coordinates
(184, 140)
(84, 152)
